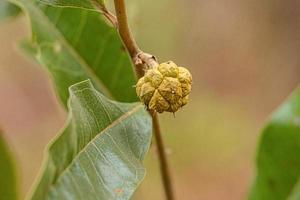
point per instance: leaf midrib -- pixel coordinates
(113, 124)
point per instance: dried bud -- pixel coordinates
(165, 88)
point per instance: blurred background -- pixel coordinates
(244, 57)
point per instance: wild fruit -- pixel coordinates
(165, 88)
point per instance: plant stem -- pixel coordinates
(164, 166)
(142, 60)
(124, 30)
(139, 58)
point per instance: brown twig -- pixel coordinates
(143, 60)
(124, 30)
(164, 166)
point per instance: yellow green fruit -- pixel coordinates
(165, 88)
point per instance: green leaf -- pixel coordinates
(8, 10)
(99, 153)
(88, 4)
(8, 179)
(75, 45)
(278, 159)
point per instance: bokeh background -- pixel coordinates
(244, 57)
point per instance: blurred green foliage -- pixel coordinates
(8, 175)
(278, 160)
(89, 51)
(8, 10)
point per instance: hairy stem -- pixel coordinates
(143, 60)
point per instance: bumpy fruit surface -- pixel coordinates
(165, 88)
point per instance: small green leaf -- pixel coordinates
(8, 179)
(8, 10)
(278, 160)
(99, 154)
(88, 4)
(76, 44)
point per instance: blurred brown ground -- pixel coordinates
(244, 56)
